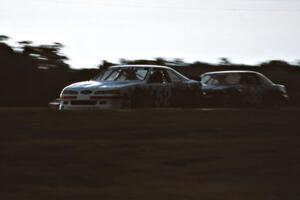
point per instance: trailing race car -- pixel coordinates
(241, 88)
(132, 86)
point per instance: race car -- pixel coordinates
(132, 86)
(241, 88)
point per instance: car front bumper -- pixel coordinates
(91, 104)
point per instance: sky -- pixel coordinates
(245, 31)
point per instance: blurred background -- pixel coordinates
(47, 44)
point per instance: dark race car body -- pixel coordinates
(241, 88)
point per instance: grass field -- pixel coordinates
(150, 154)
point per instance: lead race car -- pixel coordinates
(132, 86)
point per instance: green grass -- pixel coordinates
(150, 154)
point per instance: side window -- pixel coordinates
(103, 75)
(250, 79)
(205, 79)
(159, 76)
(232, 79)
(122, 76)
(132, 74)
(141, 73)
(173, 77)
(112, 76)
(166, 76)
(212, 80)
(264, 80)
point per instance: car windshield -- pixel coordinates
(122, 74)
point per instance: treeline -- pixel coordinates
(33, 75)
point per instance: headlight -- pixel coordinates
(108, 92)
(69, 92)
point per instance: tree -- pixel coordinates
(105, 65)
(3, 38)
(179, 61)
(225, 61)
(160, 61)
(5, 50)
(25, 43)
(47, 56)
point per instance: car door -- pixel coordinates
(253, 89)
(159, 88)
(183, 91)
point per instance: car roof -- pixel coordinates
(231, 72)
(142, 66)
(151, 66)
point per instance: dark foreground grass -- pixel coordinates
(150, 154)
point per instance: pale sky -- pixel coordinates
(245, 31)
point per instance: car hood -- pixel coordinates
(95, 85)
